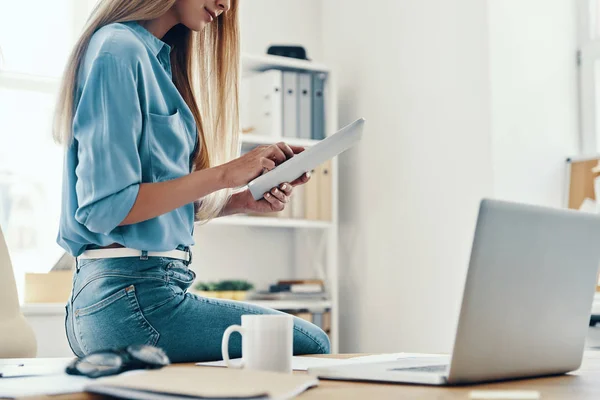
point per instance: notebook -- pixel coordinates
(189, 382)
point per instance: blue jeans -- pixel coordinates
(123, 301)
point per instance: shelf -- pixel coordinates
(9, 80)
(248, 138)
(270, 222)
(48, 309)
(263, 62)
(292, 304)
(37, 309)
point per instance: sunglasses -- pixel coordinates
(113, 362)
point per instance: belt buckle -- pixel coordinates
(189, 251)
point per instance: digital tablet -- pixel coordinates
(309, 159)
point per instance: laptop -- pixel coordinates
(526, 304)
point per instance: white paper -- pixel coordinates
(304, 363)
(23, 368)
(42, 385)
(35, 361)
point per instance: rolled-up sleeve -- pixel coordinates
(107, 127)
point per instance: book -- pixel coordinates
(297, 288)
(288, 296)
(192, 382)
(300, 281)
(304, 315)
(326, 321)
(318, 319)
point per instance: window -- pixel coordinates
(32, 57)
(589, 75)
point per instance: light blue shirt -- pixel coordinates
(130, 126)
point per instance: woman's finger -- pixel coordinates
(267, 163)
(302, 180)
(286, 188)
(279, 195)
(297, 149)
(276, 205)
(276, 154)
(287, 150)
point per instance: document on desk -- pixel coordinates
(304, 363)
(187, 383)
(48, 385)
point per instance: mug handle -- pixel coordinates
(225, 346)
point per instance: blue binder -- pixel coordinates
(318, 105)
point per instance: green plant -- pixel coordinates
(224, 285)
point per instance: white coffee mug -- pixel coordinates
(267, 343)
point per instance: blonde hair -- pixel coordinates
(205, 66)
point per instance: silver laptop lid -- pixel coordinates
(528, 293)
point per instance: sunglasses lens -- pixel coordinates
(150, 355)
(101, 363)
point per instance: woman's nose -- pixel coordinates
(223, 5)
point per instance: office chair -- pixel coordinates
(17, 339)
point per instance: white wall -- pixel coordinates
(534, 103)
(266, 22)
(418, 72)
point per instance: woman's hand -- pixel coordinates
(259, 160)
(273, 201)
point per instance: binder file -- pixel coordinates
(311, 197)
(325, 182)
(290, 104)
(318, 106)
(298, 202)
(304, 105)
(265, 102)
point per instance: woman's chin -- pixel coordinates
(196, 26)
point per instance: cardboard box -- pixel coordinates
(52, 287)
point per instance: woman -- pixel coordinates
(148, 112)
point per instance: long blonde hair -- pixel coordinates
(205, 66)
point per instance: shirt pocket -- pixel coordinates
(170, 146)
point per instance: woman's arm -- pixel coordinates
(158, 198)
(154, 199)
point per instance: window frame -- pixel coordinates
(588, 55)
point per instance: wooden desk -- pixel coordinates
(583, 384)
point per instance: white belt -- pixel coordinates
(126, 252)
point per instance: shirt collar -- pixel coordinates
(153, 43)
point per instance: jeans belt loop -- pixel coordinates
(144, 255)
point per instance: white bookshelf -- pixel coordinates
(49, 309)
(326, 231)
(252, 63)
(249, 139)
(266, 222)
(311, 305)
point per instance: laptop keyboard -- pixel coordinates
(427, 368)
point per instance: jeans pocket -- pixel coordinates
(113, 322)
(181, 273)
